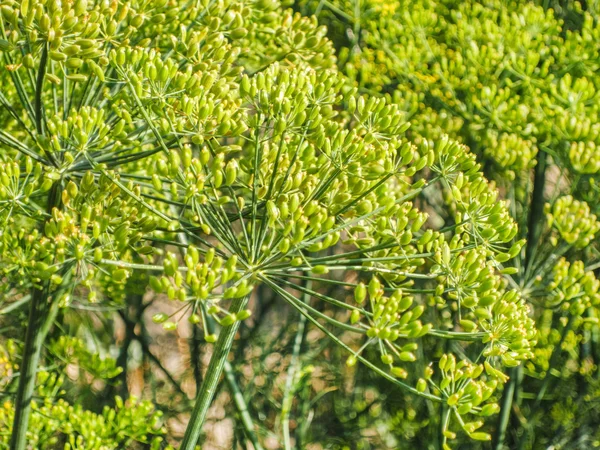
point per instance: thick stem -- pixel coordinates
(35, 334)
(238, 396)
(536, 210)
(211, 379)
(534, 227)
(31, 355)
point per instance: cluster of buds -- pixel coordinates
(482, 79)
(585, 157)
(151, 135)
(17, 186)
(389, 318)
(573, 220)
(509, 151)
(572, 288)
(467, 389)
(205, 284)
(84, 130)
(116, 427)
(467, 277)
(510, 332)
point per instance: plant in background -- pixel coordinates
(517, 84)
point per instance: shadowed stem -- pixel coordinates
(195, 359)
(39, 107)
(545, 384)
(534, 227)
(536, 209)
(211, 380)
(38, 324)
(288, 395)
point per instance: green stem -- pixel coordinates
(211, 380)
(37, 327)
(302, 308)
(39, 108)
(238, 397)
(507, 399)
(534, 227)
(545, 384)
(31, 355)
(536, 210)
(15, 305)
(242, 407)
(288, 396)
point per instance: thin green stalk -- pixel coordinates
(545, 385)
(15, 305)
(211, 380)
(37, 326)
(238, 397)
(302, 308)
(242, 407)
(288, 397)
(507, 400)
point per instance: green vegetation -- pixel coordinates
(375, 221)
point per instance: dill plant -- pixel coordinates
(215, 148)
(516, 82)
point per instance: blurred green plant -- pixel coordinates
(517, 83)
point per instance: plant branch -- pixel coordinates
(211, 379)
(286, 404)
(37, 326)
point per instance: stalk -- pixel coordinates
(507, 400)
(536, 210)
(211, 379)
(534, 227)
(238, 397)
(288, 396)
(31, 355)
(545, 385)
(39, 320)
(240, 403)
(38, 325)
